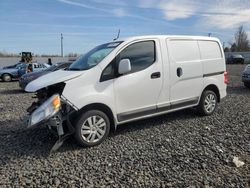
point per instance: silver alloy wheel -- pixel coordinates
(210, 103)
(93, 129)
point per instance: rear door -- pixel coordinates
(186, 72)
(136, 93)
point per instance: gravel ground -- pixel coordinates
(174, 150)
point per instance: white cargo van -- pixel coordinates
(128, 80)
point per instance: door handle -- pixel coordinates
(155, 75)
(179, 72)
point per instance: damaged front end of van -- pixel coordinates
(61, 95)
(51, 108)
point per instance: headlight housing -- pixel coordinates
(48, 109)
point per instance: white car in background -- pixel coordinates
(128, 80)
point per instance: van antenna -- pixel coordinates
(118, 35)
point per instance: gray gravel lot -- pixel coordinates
(174, 150)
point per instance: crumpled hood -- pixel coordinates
(51, 79)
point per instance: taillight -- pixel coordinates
(226, 81)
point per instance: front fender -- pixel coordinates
(87, 89)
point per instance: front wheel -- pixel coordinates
(6, 78)
(208, 103)
(92, 128)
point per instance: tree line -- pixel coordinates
(241, 42)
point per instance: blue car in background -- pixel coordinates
(7, 74)
(27, 78)
(12, 66)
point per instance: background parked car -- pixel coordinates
(246, 76)
(12, 66)
(236, 59)
(8, 74)
(33, 67)
(26, 78)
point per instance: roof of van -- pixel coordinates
(171, 37)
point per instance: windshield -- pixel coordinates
(94, 56)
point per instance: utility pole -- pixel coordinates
(61, 44)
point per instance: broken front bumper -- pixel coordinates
(58, 121)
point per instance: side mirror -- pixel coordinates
(124, 66)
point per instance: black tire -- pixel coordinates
(203, 107)
(83, 123)
(247, 84)
(7, 77)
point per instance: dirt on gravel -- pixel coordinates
(179, 149)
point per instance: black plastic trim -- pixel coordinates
(137, 113)
(213, 74)
(153, 110)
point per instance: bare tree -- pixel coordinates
(241, 40)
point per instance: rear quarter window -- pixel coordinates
(210, 50)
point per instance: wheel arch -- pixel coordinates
(7, 73)
(213, 88)
(102, 107)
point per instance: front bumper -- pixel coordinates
(54, 123)
(60, 121)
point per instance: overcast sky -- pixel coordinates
(35, 25)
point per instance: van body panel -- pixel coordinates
(87, 89)
(164, 96)
(218, 81)
(184, 67)
(136, 95)
(137, 91)
(184, 57)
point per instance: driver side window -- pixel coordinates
(140, 54)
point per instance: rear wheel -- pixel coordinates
(6, 78)
(247, 84)
(92, 128)
(208, 103)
